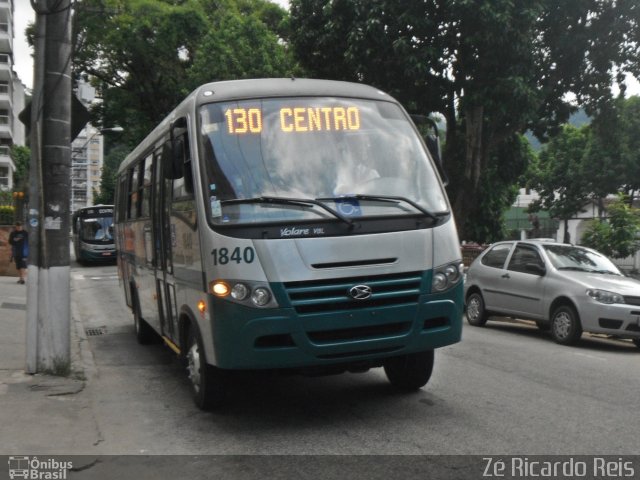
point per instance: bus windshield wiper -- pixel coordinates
(385, 198)
(303, 202)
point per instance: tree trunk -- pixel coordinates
(467, 196)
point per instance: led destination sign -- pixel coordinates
(294, 119)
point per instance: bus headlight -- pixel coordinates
(250, 294)
(447, 276)
(240, 291)
(261, 296)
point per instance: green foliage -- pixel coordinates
(145, 56)
(7, 214)
(21, 157)
(239, 46)
(619, 236)
(112, 161)
(559, 176)
(497, 191)
(591, 162)
(630, 149)
(492, 69)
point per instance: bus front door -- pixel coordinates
(165, 282)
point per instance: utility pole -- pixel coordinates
(48, 296)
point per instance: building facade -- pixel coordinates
(86, 157)
(12, 98)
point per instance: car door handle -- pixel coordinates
(506, 275)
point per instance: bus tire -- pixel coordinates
(207, 382)
(409, 372)
(144, 333)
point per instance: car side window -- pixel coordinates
(496, 256)
(523, 255)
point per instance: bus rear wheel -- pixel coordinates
(207, 385)
(409, 372)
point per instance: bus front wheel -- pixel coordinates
(409, 372)
(206, 380)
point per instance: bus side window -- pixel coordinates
(145, 188)
(132, 193)
(182, 146)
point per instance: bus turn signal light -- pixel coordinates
(202, 306)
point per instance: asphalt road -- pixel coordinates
(505, 389)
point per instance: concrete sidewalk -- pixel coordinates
(41, 414)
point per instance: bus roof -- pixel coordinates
(255, 88)
(93, 210)
(283, 87)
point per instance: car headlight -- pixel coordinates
(446, 276)
(604, 296)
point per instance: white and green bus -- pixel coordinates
(289, 224)
(92, 234)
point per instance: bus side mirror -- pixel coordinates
(430, 134)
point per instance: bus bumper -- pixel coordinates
(283, 339)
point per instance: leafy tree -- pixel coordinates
(559, 176)
(630, 150)
(137, 53)
(241, 45)
(112, 161)
(603, 168)
(616, 237)
(493, 69)
(21, 157)
(145, 56)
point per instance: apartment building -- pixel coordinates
(12, 97)
(86, 157)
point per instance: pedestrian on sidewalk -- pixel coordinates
(19, 241)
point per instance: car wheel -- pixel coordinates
(565, 325)
(207, 385)
(636, 342)
(409, 372)
(144, 333)
(476, 314)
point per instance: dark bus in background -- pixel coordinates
(92, 229)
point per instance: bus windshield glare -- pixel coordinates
(96, 230)
(361, 158)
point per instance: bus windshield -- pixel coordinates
(96, 230)
(265, 159)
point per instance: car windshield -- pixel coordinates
(570, 257)
(307, 158)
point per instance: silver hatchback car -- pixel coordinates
(565, 288)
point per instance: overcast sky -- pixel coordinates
(23, 54)
(21, 51)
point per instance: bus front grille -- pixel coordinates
(359, 333)
(332, 295)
